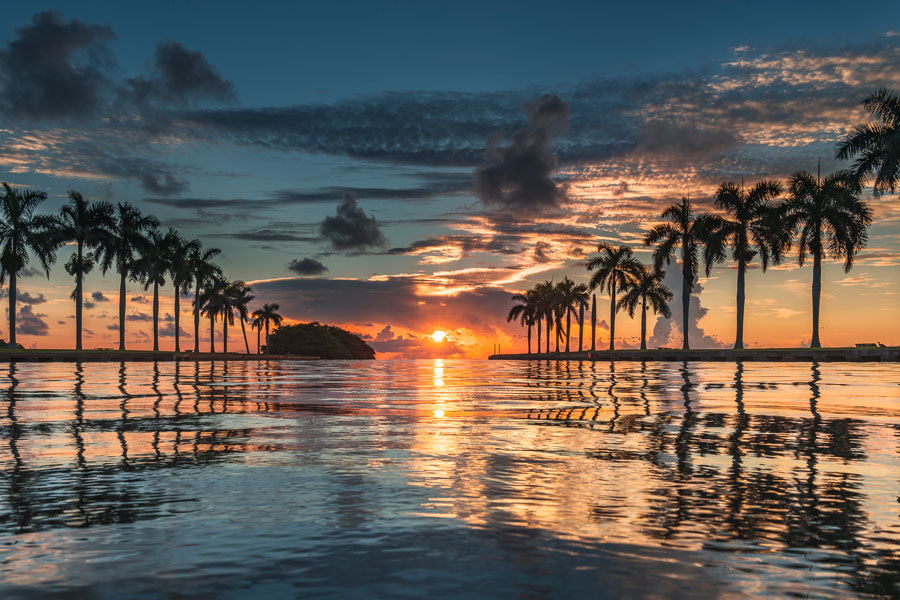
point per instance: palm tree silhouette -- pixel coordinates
(256, 322)
(831, 220)
(212, 304)
(690, 232)
(204, 272)
(118, 250)
(181, 274)
(614, 266)
(524, 311)
(240, 299)
(23, 233)
(877, 144)
(151, 268)
(269, 316)
(569, 297)
(644, 287)
(750, 228)
(89, 225)
(544, 293)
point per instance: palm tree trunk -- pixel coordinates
(197, 316)
(79, 277)
(685, 303)
(155, 317)
(548, 333)
(558, 324)
(580, 325)
(816, 293)
(212, 333)
(593, 322)
(529, 339)
(244, 331)
(12, 310)
(643, 323)
(177, 318)
(568, 325)
(538, 335)
(267, 336)
(122, 310)
(612, 315)
(739, 335)
(258, 332)
(225, 334)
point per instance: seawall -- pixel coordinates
(867, 354)
(134, 356)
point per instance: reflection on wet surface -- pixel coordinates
(443, 478)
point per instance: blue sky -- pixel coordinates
(625, 107)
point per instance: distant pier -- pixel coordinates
(858, 354)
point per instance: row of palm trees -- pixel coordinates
(121, 238)
(825, 218)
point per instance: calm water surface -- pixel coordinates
(449, 478)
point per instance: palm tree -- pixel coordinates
(89, 225)
(181, 274)
(690, 232)
(212, 303)
(544, 299)
(524, 311)
(569, 297)
(204, 271)
(593, 322)
(240, 299)
(644, 287)
(750, 228)
(877, 144)
(831, 220)
(151, 268)
(256, 322)
(269, 315)
(613, 267)
(118, 250)
(23, 233)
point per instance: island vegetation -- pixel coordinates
(315, 339)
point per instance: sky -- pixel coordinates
(402, 168)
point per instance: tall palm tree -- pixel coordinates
(256, 322)
(570, 296)
(151, 267)
(269, 315)
(240, 299)
(23, 233)
(877, 144)
(644, 287)
(750, 228)
(545, 297)
(613, 266)
(204, 271)
(129, 237)
(524, 312)
(181, 273)
(832, 221)
(690, 232)
(88, 225)
(212, 304)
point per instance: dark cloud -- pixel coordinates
(168, 330)
(268, 235)
(540, 252)
(516, 173)
(306, 267)
(678, 143)
(139, 317)
(667, 332)
(179, 76)
(55, 69)
(99, 297)
(26, 298)
(141, 300)
(89, 305)
(385, 334)
(31, 323)
(466, 244)
(351, 228)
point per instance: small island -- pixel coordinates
(315, 339)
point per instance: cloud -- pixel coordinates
(55, 69)
(89, 305)
(667, 332)
(26, 298)
(99, 297)
(306, 267)
(385, 334)
(31, 323)
(179, 77)
(140, 299)
(168, 330)
(516, 173)
(351, 228)
(540, 252)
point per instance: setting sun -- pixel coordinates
(438, 335)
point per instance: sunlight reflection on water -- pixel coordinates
(448, 478)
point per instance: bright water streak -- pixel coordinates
(449, 478)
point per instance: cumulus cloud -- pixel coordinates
(516, 173)
(351, 228)
(668, 332)
(99, 297)
(540, 252)
(179, 76)
(307, 267)
(168, 330)
(31, 323)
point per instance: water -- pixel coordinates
(449, 478)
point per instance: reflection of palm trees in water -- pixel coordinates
(78, 425)
(123, 407)
(683, 441)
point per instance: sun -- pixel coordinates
(438, 335)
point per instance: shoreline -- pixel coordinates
(9, 355)
(865, 354)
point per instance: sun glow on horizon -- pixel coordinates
(438, 335)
